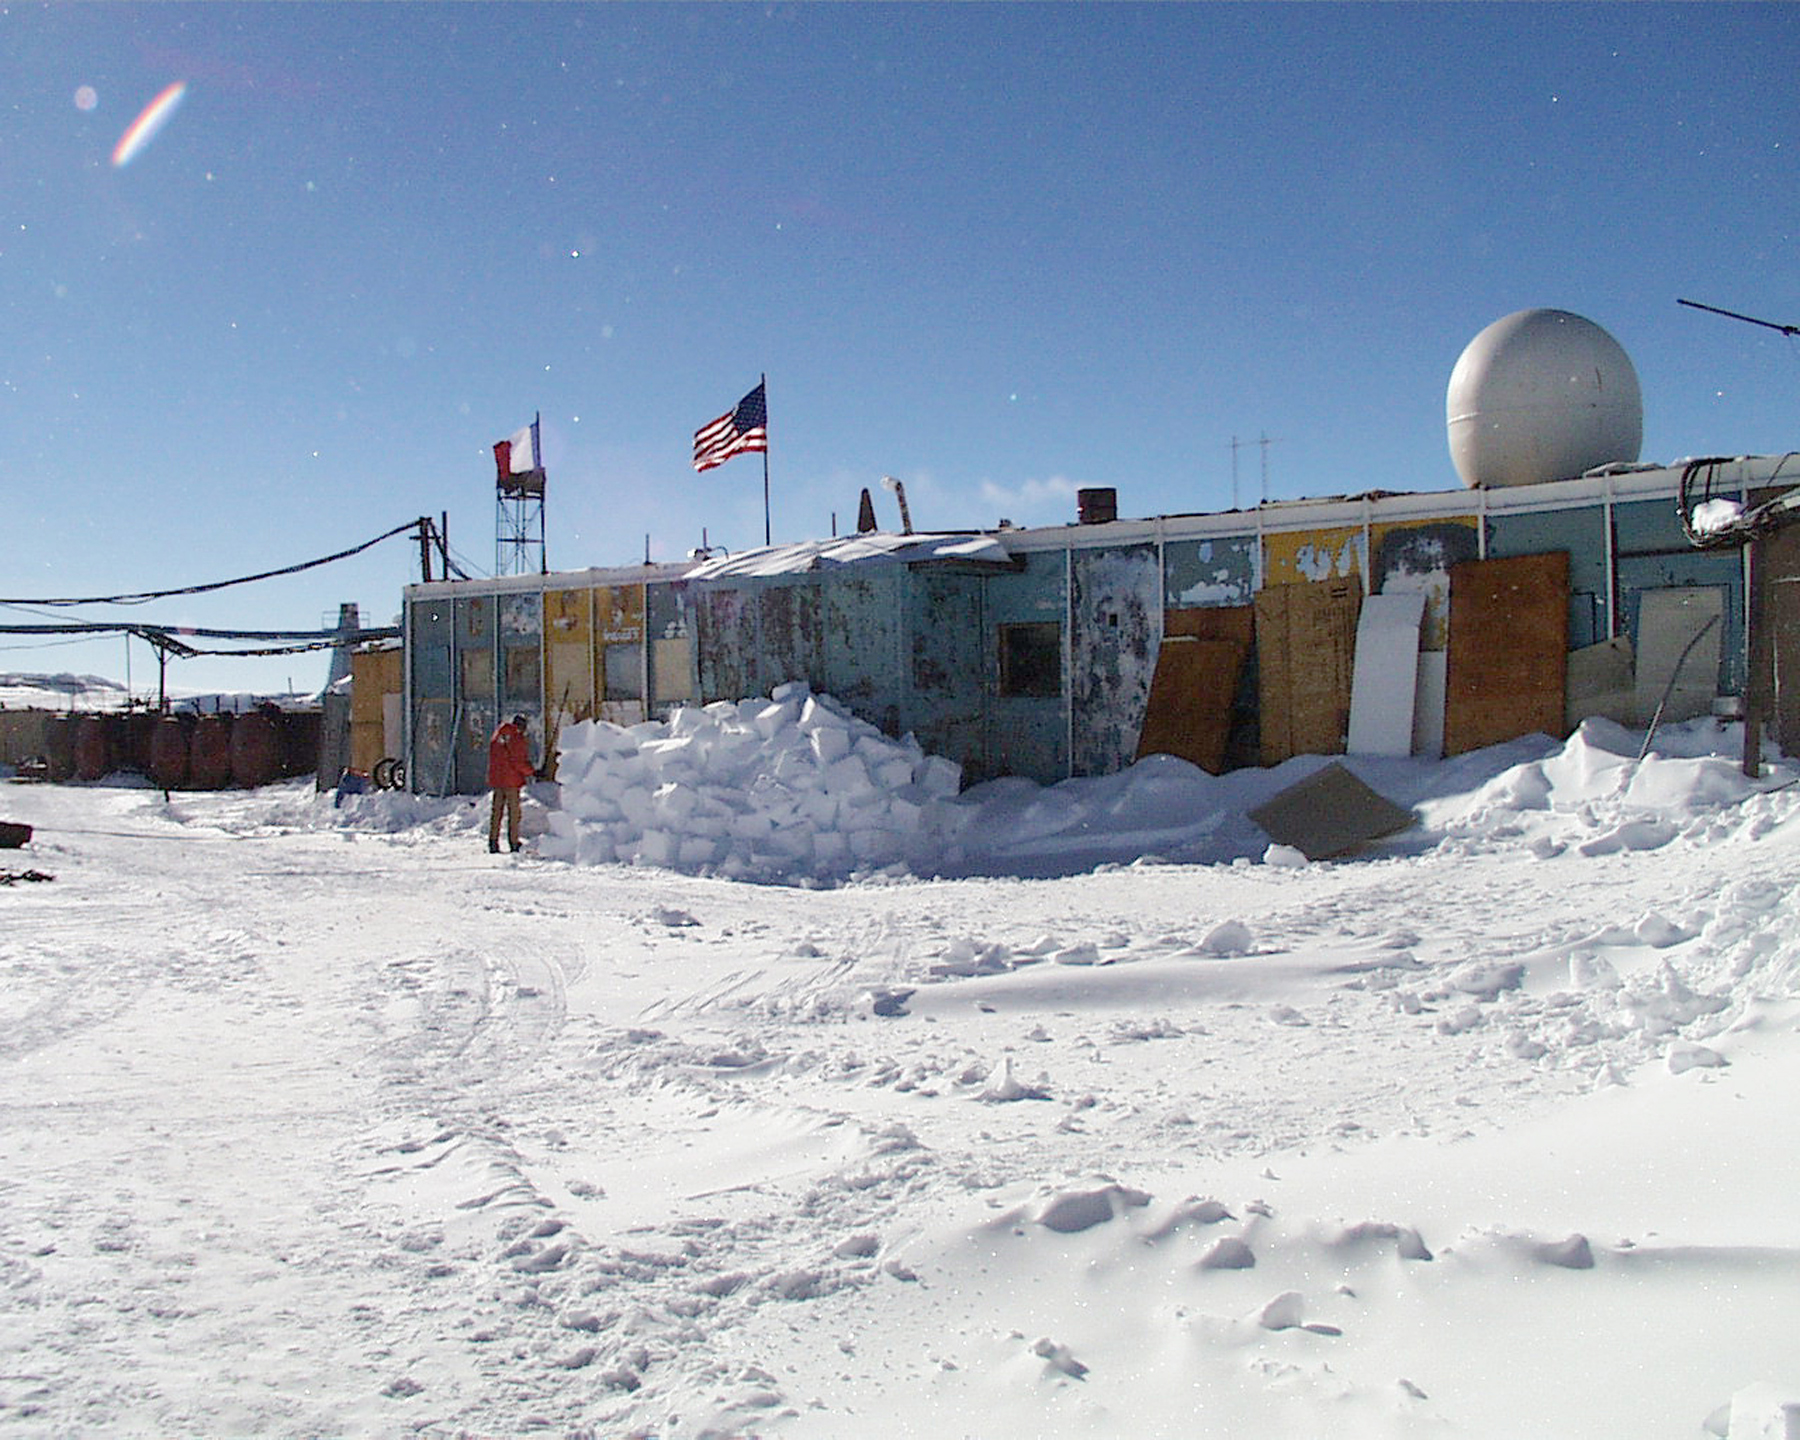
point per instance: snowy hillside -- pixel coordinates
(319, 1119)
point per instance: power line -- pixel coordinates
(144, 596)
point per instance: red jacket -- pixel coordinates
(509, 758)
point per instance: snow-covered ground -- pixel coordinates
(319, 1119)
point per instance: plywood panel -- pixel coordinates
(1306, 650)
(1213, 622)
(1386, 681)
(1189, 711)
(1508, 652)
(1329, 813)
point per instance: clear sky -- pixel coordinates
(1001, 251)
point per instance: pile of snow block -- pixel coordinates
(793, 787)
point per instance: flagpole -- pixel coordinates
(765, 389)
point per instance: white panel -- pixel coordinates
(1386, 680)
(1428, 708)
(1667, 621)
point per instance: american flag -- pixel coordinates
(736, 432)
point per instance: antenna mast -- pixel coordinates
(1747, 319)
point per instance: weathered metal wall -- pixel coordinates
(945, 702)
(1292, 557)
(1115, 617)
(1416, 557)
(862, 628)
(1653, 554)
(570, 656)
(432, 663)
(1211, 572)
(1028, 735)
(619, 653)
(669, 623)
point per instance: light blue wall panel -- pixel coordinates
(1210, 572)
(1582, 533)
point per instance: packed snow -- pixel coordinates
(1070, 1110)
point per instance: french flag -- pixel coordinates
(519, 453)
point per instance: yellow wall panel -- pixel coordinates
(1296, 557)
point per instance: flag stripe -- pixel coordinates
(736, 432)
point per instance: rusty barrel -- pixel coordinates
(94, 739)
(300, 742)
(170, 742)
(138, 733)
(255, 749)
(59, 746)
(209, 753)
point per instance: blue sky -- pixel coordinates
(1002, 251)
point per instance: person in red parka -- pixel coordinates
(509, 767)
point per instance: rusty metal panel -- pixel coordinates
(1293, 557)
(1210, 572)
(1417, 557)
(791, 637)
(474, 620)
(861, 621)
(431, 643)
(619, 614)
(726, 623)
(1509, 650)
(669, 623)
(521, 626)
(945, 696)
(1115, 616)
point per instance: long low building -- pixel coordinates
(1232, 638)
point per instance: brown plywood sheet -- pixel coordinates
(1508, 652)
(1306, 656)
(1189, 710)
(1329, 813)
(1213, 622)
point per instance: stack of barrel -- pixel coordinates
(186, 751)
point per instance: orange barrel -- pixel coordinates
(93, 746)
(209, 753)
(300, 742)
(255, 749)
(169, 744)
(59, 746)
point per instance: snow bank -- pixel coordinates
(790, 788)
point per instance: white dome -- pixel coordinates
(1542, 395)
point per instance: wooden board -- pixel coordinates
(1213, 622)
(1306, 653)
(1386, 681)
(1508, 652)
(1600, 682)
(1189, 710)
(1329, 813)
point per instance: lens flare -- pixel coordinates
(141, 131)
(86, 97)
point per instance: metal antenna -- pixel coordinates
(1747, 319)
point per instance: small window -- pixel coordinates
(1031, 660)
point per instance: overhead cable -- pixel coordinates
(144, 596)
